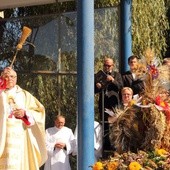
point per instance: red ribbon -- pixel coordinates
(24, 119)
(2, 83)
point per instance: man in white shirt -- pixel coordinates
(97, 141)
(60, 142)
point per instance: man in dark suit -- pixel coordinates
(110, 91)
(130, 79)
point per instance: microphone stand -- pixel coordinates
(101, 77)
(103, 121)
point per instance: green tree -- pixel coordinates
(149, 26)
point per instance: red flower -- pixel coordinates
(2, 84)
(164, 105)
(153, 71)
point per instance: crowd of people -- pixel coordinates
(117, 91)
(24, 142)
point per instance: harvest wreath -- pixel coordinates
(141, 132)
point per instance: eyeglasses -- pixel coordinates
(105, 65)
(126, 94)
(10, 76)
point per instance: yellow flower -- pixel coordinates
(98, 166)
(132, 102)
(112, 165)
(162, 104)
(161, 152)
(134, 166)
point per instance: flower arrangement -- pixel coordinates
(141, 132)
(158, 159)
(145, 125)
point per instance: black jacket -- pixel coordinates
(111, 92)
(136, 85)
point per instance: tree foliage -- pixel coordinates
(149, 26)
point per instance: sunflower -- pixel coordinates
(135, 166)
(161, 152)
(112, 165)
(98, 166)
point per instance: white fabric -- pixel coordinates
(20, 102)
(97, 141)
(136, 97)
(110, 112)
(58, 159)
(134, 76)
